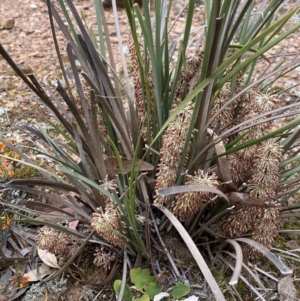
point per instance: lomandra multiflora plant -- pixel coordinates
(196, 140)
(254, 170)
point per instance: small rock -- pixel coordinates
(178, 6)
(114, 40)
(7, 23)
(294, 75)
(32, 7)
(292, 244)
(286, 289)
(29, 31)
(45, 35)
(292, 49)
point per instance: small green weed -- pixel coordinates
(147, 285)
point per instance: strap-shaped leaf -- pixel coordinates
(284, 270)
(196, 254)
(189, 188)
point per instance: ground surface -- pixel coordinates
(30, 44)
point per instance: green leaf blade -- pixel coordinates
(141, 277)
(127, 293)
(180, 290)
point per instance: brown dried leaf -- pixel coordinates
(73, 224)
(38, 274)
(112, 165)
(48, 258)
(245, 199)
(54, 216)
(224, 165)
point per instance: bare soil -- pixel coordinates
(30, 44)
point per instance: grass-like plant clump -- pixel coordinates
(196, 147)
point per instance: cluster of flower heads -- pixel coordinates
(171, 151)
(52, 240)
(258, 167)
(145, 114)
(225, 111)
(103, 258)
(175, 135)
(188, 77)
(6, 165)
(257, 104)
(187, 204)
(107, 222)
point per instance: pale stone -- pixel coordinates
(32, 7)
